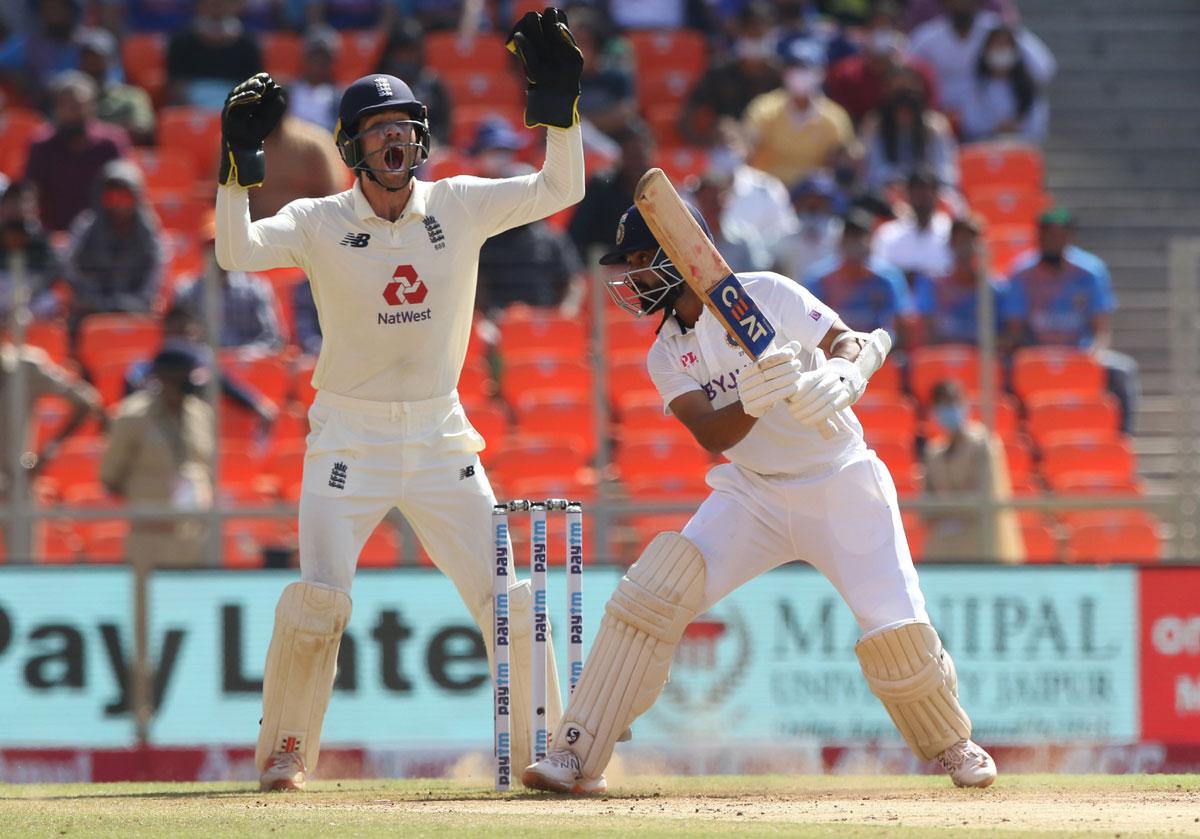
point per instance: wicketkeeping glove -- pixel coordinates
(251, 112)
(553, 65)
(769, 379)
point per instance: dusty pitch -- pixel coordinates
(1018, 805)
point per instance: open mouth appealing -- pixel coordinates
(393, 158)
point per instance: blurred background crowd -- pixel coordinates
(888, 155)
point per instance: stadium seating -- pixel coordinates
(899, 457)
(666, 86)
(1003, 205)
(651, 457)
(166, 169)
(144, 57)
(682, 50)
(282, 53)
(915, 532)
(682, 162)
(180, 212)
(535, 457)
(196, 131)
(558, 414)
(1005, 242)
(1001, 163)
(382, 549)
(19, 127)
(77, 463)
(1019, 460)
(359, 55)
(626, 374)
(527, 372)
(1114, 536)
(1090, 482)
(491, 421)
(955, 362)
(469, 87)
(1112, 457)
(891, 415)
(52, 338)
(1039, 370)
(528, 329)
(447, 52)
(106, 336)
(641, 413)
(1051, 414)
(1041, 542)
(629, 335)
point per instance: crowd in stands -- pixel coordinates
(882, 153)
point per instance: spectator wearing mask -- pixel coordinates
(966, 461)
(117, 103)
(403, 56)
(756, 199)
(917, 12)
(247, 319)
(115, 258)
(304, 164)
(730, 84)
(868, 294)
(1010, 80)
(819, 227)
(918, 242)
(795, 130)
(738, 242)
(1062, 295)
(949, 303)
(212, 55)
(21, 233)
(531, 263)
(857, 82)
(64, 166)
(314, 96)
(160, 451)
(609, 193)
(905, 134)
(28, 57)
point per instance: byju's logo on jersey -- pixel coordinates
(355, 240)
(405, 287)
(436, 237)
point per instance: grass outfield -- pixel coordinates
(900, 806)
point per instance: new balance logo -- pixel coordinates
(434, 228)
(337, 475)
(466, 472)
(356, 240)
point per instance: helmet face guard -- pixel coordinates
(638, 298)
(349, 144)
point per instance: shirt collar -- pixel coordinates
(417, 202)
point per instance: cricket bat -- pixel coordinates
(705, 270)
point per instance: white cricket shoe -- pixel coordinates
(559, 772)
(968, 765)
(285, 772)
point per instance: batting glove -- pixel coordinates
(769, 379)
(825, 391)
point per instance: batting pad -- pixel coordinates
(520, 658)
(914, 678)
(631, 657)
(298, 679)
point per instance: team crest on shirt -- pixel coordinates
(433, 229)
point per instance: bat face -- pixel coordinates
(701, 265)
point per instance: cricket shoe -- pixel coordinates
(968, 765)
(559, 772)
(284, 772)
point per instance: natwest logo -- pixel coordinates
(1175, 635)
(405, 287)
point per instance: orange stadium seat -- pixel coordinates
(50, 414)
(899, 457)
(1006, 242)
(77, 463)
(1113, 457)
(465, 120)
(1019, 458)
(956, 362)
(166, 169)
(18, 128)
(683, 162)
(564, 415)
(1000, 163)
(1041, 542)
(626, 373)
(50, 337)
(108, 376)
(528, 372)
(144, 56)
(447, 52)
(475, 381)
(470, 87)
(630, 334)
(1096, 483)
(1007, 417)
(530, 329)
(104, 336)
(1049, 414)
(180, 212)
(663, 86)
(915, 532)
(446, 163)
(642, 414)
(302, 389)
(196, 131)
(267, 374)
(889, 414)
(359, 55)
(491, 421)
(646, 458)
(283, 54)
(669, 488)
(286, 463)
(535, 457)
(1115, 536)
(663, 119)
(1039, 370)
(1004, 205)
(683, 50)
(57, 542)
(887, 379)
(240, 463)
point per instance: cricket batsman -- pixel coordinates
(393, 263)
(787, 493)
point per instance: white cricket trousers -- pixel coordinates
(845, 522)
(363, 458)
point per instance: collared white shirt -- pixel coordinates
(915, 251)
(705, 359)
(395, 299)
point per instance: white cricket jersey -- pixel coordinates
(706, 359)
(395, 299)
